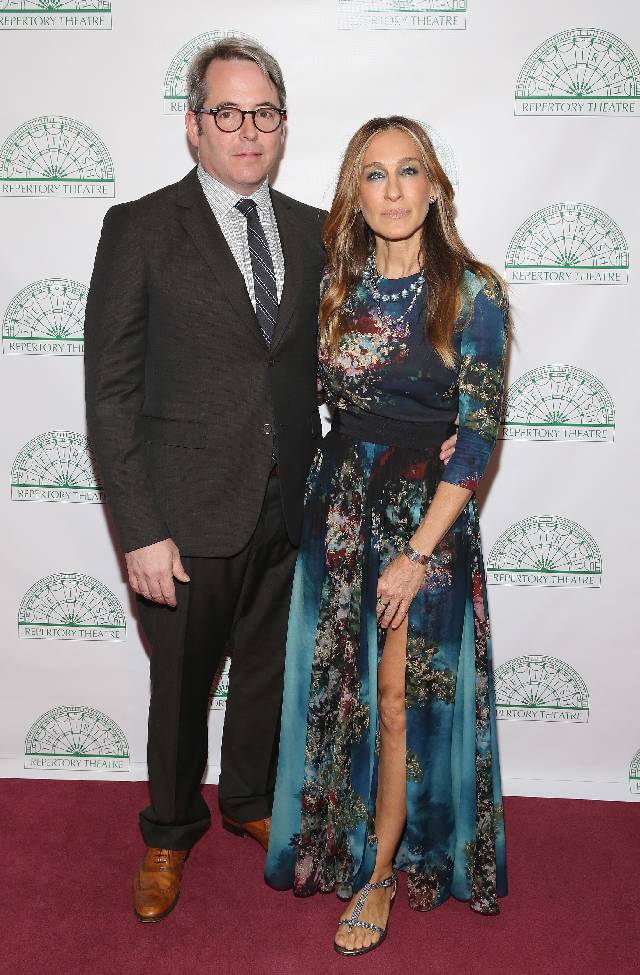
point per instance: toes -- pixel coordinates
(357, 939)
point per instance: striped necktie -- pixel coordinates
(264, 279)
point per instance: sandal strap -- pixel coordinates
(353, 921)
(362, 924)
(387, 882)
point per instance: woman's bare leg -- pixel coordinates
(391, 803)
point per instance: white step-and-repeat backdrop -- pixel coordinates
(534, 108)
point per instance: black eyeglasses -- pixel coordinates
(266, 119)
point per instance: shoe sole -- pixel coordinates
(158, 917)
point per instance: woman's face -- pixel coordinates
(394, 186)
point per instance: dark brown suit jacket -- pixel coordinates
(182, 391)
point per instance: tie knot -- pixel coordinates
(246, 207)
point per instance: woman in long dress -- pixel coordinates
(388, 755)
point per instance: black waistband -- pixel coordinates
(400, 433)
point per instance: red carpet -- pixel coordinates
(70, 850)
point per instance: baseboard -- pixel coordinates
(615, 791)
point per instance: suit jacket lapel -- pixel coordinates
(203, 228)
(292, 243)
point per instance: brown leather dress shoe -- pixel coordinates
(157, 885)
(257, 829)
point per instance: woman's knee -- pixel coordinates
(392, 711)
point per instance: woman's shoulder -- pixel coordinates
(487, 285)
(357, 292)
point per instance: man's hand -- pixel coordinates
(447, 449)
(151, 571)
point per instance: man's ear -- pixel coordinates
(191, 125)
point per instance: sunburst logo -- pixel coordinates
(56, 466)
(70, 606)
(76, 738)
(545, 550)
(554, 403)
(55, 156)
(568, 243)
(46, 318)
(402, 14)
(583, 71)
(540, 688)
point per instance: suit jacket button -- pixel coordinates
(267, 428)
(272, 362)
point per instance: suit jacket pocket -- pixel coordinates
(179, 433)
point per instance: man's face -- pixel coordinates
(243, 159)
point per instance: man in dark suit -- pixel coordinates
(201, 365)
(202, 410)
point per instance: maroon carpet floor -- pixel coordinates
(70, 849)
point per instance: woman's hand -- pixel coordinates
(397, 587)
(447, 449)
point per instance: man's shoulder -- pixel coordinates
(156, 201)
(301, 211)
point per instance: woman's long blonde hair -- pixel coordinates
(349, 241)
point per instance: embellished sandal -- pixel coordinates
(355, 922)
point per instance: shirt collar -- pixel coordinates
(223, 199)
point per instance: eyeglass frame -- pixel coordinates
(282, 112)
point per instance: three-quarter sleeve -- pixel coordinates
(481, 377)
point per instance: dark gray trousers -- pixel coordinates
(242, 601)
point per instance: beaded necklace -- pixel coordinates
(371, 279)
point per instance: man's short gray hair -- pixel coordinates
(230, 49)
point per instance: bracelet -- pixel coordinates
(414, 555)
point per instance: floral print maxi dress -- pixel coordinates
(364, 501)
